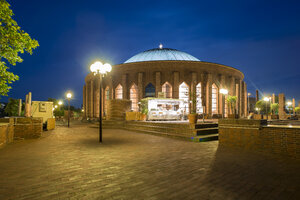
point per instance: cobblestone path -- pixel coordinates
(69, 163)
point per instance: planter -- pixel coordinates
(257, 116)
(274, 116)
(143, 117)
(233, 116)
(193, 118)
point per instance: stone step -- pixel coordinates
(162, 129)
(207, 131)
(205, 138)
(160, 133)
(206, 125)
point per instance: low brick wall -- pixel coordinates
(51, 124)
(25, 127)
(256, 136)
(6, 133)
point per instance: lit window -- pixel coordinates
(119, 92)
(214, 100)
(199, 100)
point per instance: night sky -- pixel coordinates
(260, 38)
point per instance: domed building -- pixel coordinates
(168, 73)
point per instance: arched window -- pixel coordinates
(150, 90)
(167, 89)
(184, 95)
(106, 98)
(119, 92)
(134, 97)
(199, 107)
(214, 99)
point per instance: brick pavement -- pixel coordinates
(71, 164)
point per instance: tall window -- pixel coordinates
(119, 92)
(134, 97)
(184, 95)
(150, 90)
(167, 89)
(198, 98)
(214, 100)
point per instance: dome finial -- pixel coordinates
(160, 46)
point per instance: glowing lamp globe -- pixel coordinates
(69, 95)
(223, 91)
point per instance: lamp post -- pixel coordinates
(249, 94)
(223, 92)
(69, 96)
(100, 69)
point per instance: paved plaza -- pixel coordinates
(69, 163)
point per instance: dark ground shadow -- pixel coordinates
(236, 174)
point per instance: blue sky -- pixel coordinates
(260, 38)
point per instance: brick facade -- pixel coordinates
(174, 72)
(254, 135)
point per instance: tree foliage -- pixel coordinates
(274, 108)
(13, 42)
(231, 100)
(263, 106)
(12, 107)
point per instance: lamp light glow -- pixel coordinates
(266, 98)
(223, 91)
(60, 102)
(289, 103)
(69, 95)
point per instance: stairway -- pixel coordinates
(206, 132)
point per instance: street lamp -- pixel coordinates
(69, 96)
(100, 69)
(223, 92)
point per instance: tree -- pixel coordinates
(297, 110)
(12, 107)
(263, 106)
(274, 108)
(231, 100)
(13, 42)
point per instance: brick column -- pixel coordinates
(91, 99)
(237, 94)
(124, 85)
(157, 83)
(87, 99)
(111, 87)
(281, 102)
(221, 99)
(294, 105)
(193, 90)
(140, 86)
(83, 100)
(208, 94)
(203, 92)
(241, 100)
(97, 97)
(245, 99)
(176, 85)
